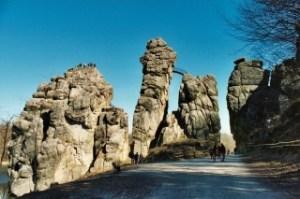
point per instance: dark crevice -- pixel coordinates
(34, 165)
(162, 124)
(17, 166)
(73, 122)
(46, 123)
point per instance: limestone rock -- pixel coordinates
(54, 139)
(198, 107)
(150, 112)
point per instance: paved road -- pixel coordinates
(199, 178)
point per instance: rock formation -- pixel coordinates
(111, 140)
(172, 132)
(66, 129)
(247, 78)
(197, 116)
(286, 81)
(151, 109)
(262, 113)
(198, 107)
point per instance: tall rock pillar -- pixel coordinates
(247, 98)
(151, 109)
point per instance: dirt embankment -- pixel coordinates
(280, 165)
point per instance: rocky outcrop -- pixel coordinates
(172, 133)
(198, 107)
(262, 112)
(286, 81)
(247, 78)
(151, 109)
(68, 127)
(111, 140)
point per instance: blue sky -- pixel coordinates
(41, 39)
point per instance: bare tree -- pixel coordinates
(269, 27)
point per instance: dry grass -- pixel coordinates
(187, 149)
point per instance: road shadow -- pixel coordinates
(184, 179)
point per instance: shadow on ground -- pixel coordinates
(199, 178)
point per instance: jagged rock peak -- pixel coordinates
(157, 42)
(158, 49)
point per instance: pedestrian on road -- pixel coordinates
(222, 151)
(136, 158)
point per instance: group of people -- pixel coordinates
(135, 158)
(218, 150)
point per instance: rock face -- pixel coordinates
(262, 113)
(151, 109)
(286, 81)
(247, 78)
(198, 107)
(172, 133)
(68, 127)
(111, 140)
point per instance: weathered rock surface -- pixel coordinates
(198, 107)
(111, 140)
(262, 113)
(172, 133)
(247, 78)
(59, 135)
(151, 109)
(286, 81)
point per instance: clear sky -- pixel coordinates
(40, 39)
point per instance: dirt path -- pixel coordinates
(199, 178)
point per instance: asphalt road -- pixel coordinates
(198, 178)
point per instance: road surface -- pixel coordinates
(198, 178)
